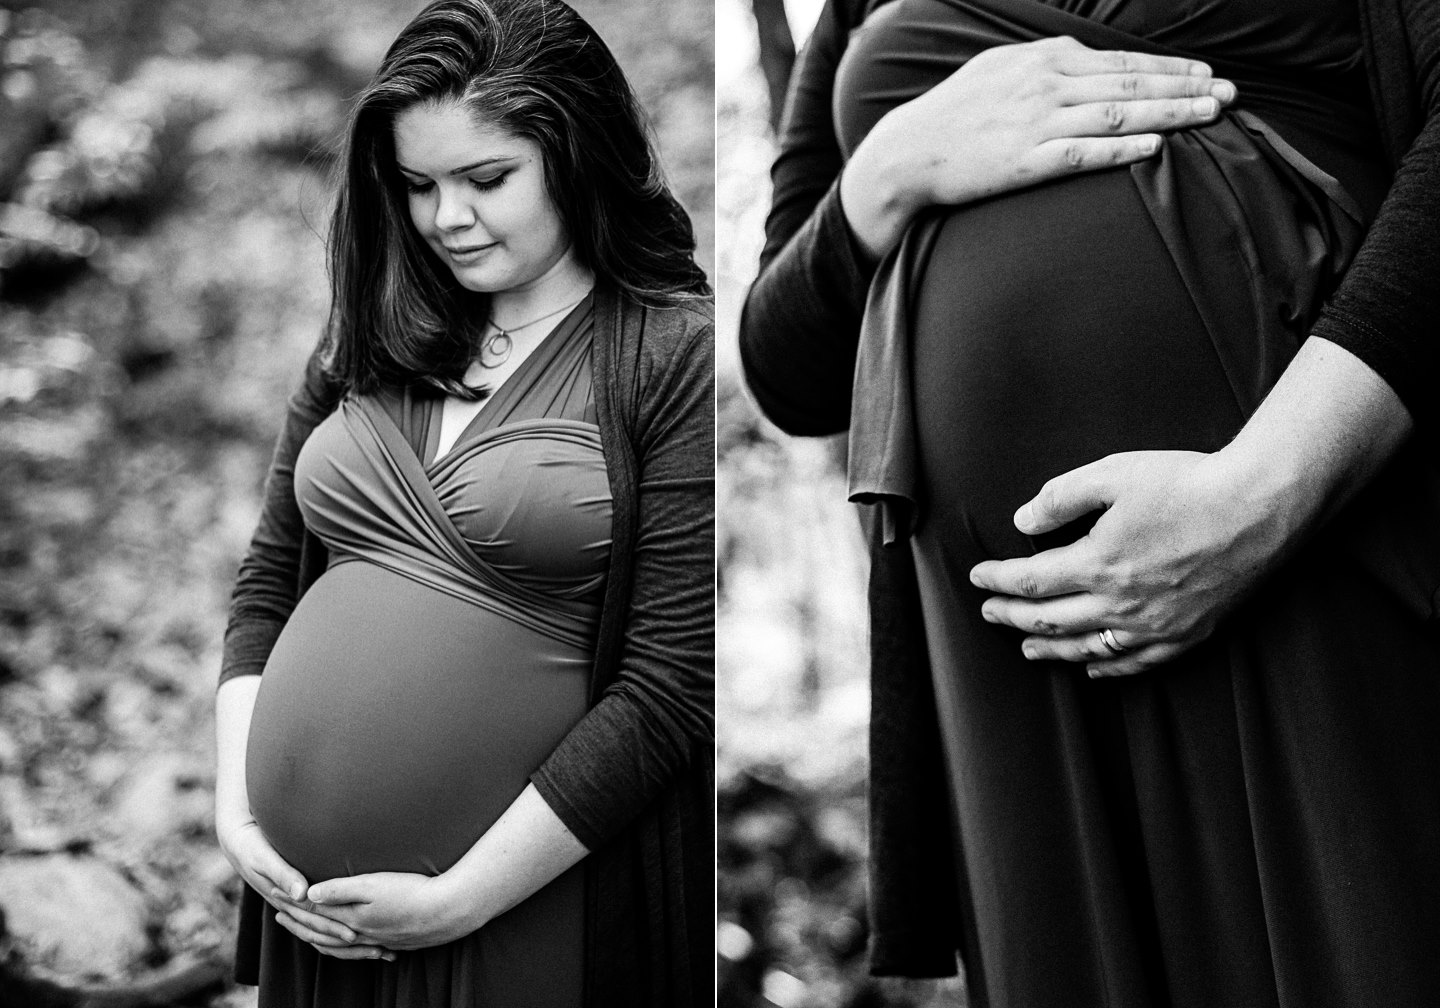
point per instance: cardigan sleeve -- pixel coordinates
(657, 717)
(801, 322)
(268, 584)
(1386, 310)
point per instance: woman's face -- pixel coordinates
(477, 196)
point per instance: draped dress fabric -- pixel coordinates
(1257, 823)
(435, 665)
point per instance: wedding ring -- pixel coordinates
(1107, 637)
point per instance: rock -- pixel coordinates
(73, 914)
(159, 798)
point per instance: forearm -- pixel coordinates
(523, 851)
(1319, 437)
(234, 704)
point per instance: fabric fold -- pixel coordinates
(1285, 230)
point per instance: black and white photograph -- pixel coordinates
(1118, 322)
(356, 430)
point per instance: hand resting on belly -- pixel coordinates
(1014, 116)
(1185, 536)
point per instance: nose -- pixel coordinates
(452, 210)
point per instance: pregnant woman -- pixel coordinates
(1108, 234)
(476, 769)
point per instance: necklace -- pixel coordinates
(499, 343)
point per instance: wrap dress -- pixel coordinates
(431, 669)
(1258, 823)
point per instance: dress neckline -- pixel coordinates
(502, 401)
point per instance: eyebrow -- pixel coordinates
(486, 162)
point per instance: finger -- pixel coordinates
(1069, 496)
(1142, 659)
(305, 933)
(1079, 60)
(1071, 155)
(1128, 87)
(321, 923)
(1078, 647)
(1061, 616)
(358, 952)
(1116, 118)
(352, 889)
(1044, 575)
(276, 871)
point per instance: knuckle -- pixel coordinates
(1115, 116)
(1130, 84)
(1072, 155)
(1049, 496)
(1028, 585)
(1043, 627)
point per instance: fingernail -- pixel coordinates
(1027, 650)
(1025, 517)
(297, 892)
(1223, 91)
(1093, 673)
(987, 613)
(1206, 106)
(348, 935)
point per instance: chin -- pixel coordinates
(483, 281)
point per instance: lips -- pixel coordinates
(464, 253)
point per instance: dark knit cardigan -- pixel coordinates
(634, 780)
(798, 338)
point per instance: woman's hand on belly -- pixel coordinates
(283, 887)
(1014, 116)
(394, 910)
(1183, 537)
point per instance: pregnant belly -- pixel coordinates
(1051, 328)
(394, 723)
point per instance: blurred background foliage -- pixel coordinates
(163, 190)
(793, 696)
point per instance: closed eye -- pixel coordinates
(493, 182)
(482, 184)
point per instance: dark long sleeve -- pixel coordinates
(268, 584)
(801, 321)
(1387, 309)
(657, 716)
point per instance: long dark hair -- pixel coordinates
(537, 70)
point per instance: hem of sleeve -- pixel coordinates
(566, 810)
(247, 649)
(1381, 355)
(855, 267)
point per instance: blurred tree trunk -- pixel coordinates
(777, 53)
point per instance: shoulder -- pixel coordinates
(670, 342)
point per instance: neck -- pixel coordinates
(563, 284)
